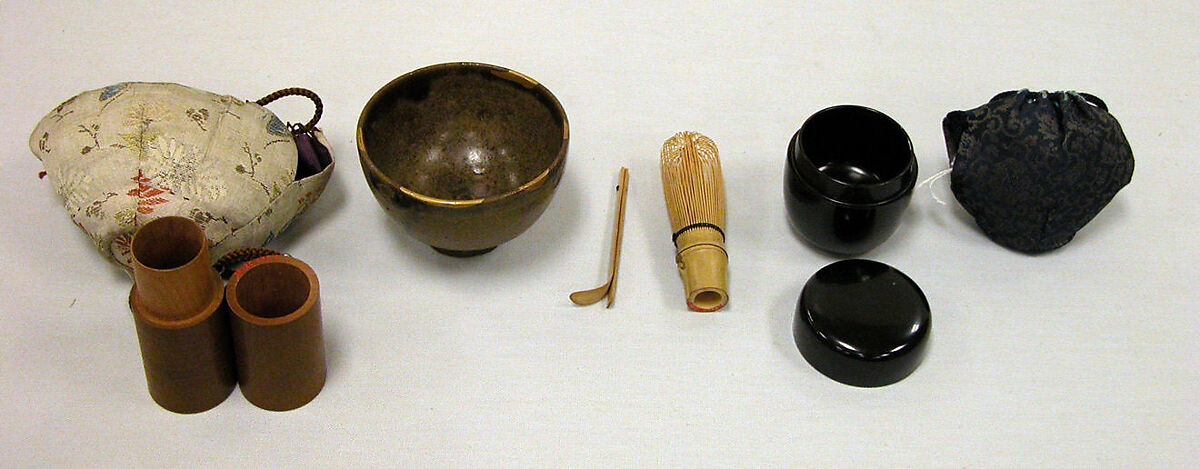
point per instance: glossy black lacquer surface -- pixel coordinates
(862, 323)
(850, 174)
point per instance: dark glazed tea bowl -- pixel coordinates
(465, 155)
(850, 174)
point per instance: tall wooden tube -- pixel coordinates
(182, 328)
(277, 336)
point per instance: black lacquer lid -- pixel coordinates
(862, 323)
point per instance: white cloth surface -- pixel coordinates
(1086, 356)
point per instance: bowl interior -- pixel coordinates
(463, 131)
(855, 145)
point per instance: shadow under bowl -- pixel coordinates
(465, 156)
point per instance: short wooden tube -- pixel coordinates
(277, 335)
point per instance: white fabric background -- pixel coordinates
(1084, 356)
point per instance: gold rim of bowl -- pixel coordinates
(498, 71)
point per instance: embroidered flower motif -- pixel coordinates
(122, 246)
(58, 114)
(44, 142)
(147, 195)
(171, 164)
(253, 158)
(75, 187)
(112, 90)
(139, 120)
(226, 105)
(145, 114)
(125, 217)
(204, 218)
(277, 126)
(199, 116)
(96, 209)
(92, 131)
(175, 167)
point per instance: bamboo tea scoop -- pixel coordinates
(609, 289)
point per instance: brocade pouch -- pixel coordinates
(129, 153)
(1033, 168)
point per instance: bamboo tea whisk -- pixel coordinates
(695, 195)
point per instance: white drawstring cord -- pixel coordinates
(933, 179)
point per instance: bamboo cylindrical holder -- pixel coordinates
(183, 330)
(277, 336)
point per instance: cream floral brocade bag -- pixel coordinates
(126, 154)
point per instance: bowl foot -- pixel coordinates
(453, 253)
